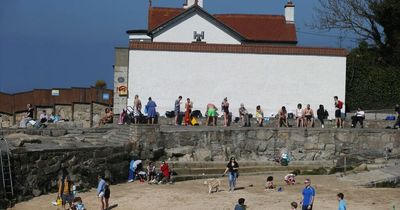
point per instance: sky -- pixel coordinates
(70, 43)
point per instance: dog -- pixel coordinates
(212, 184)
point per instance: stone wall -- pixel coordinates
(209, 144)
(82, 113)
(36, 172)
(6, 120)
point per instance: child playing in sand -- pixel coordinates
(290, 179)
(269, 185)
(293, 205)
(77, 204)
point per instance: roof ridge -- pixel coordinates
(258, 15)
(175, 8)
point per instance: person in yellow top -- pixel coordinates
(64, 190)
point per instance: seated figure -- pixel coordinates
(358, 117)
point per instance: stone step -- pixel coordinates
(248, 169)
(179, 178)
(222, 164)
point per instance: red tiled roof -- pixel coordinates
(267, 28)
(260, 27)
(227, 48)
(160, 15)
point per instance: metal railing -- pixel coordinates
(5, 167)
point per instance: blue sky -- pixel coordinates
(70, 43)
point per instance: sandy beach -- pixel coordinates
(193, 195)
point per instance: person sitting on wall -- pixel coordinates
(43, 117)
(259, 116)
(244, 116)
(54, 118)
(309, 116)
(283, 117)
(108, 118)
(299, 116)
(359, 116)
(27, 117)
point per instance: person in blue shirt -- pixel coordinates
(342, 202)
(308, 196)
(101, 190)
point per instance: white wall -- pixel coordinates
(268, 80)
(183, 32)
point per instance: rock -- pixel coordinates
(20, 143)
(361, 168)
(36, 192)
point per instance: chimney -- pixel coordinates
(190, 3)
(289, 12)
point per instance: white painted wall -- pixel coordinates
(183, 32)
(253, 79)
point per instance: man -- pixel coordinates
(177, 109)
(27, 117)
(309, 116)
(308, 196)
(101, 191)
(359, 116)
(342, 203)
(240, 205)
(397, 110)
(338, 112)
(244, 116)
(64, 189)
(211, 114)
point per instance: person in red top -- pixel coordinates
(165, 171)
(188, 111)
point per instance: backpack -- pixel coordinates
(340, 104)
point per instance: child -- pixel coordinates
(289, 179)
(107, 192)
(151, 171)
(77, 204)
(293, 205)
(269, 185)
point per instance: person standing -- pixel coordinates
(211, 114)
(137, 107)
(244, 116)
(225, 109)
(308, 196)
(64, 189)
(151, 111)
(27, 117)
(101, 191)
(338, 112)
(397, 110)
(321, 113)
(188, 111)
(177, 109)
(107, 192)
(233, 168)
(342, 202)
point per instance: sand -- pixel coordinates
(193, 195)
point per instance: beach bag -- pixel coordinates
(194, 121)
(58, 201)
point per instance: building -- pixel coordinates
(251, 59)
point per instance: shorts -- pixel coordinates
(308, 117)
(66, 198)
(211, 113)
(101, 195)
(338, 113)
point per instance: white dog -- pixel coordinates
(212, 184)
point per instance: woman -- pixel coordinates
(101, 191)
(321, 115)
(28, 116)
(151, 111)
(259, 116)
(137, 106)
(299, 116)
(225, 109)
(108, 118)
(188, 111)
(232, 167)
(283, 117)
